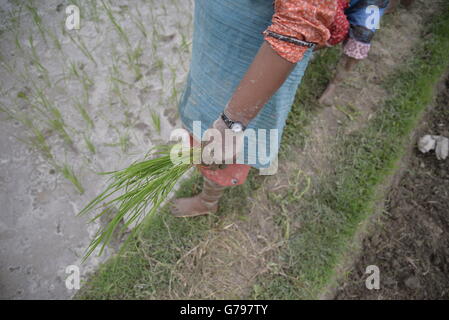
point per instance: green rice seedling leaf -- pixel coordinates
(139, 24)
(74, 69)
(82, 46)
(137, 192)
(55, 39)
(21, 95)
(59, 126)
(68, 173)
(38, 140)
(124, 142)
(89, 144)
(156, 121)
(185, 45)
(133, 61)
(6, 65)
(84, 114)
(37, 19)
(117, 26)
(36, 61)
(93, 11)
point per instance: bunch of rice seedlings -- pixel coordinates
(137, 191)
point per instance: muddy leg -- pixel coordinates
(345, 65)
(204, 203)
(407, 3)
(392, 6)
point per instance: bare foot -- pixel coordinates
(407, 3)
(191, 207)
(392, 6)
(326, 97)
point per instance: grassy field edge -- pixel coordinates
(365, 160)
(146, 265)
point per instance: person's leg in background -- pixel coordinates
(357, 44)
(344, 67)
(407, 3)
(394, 5)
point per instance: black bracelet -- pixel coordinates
(290, 39)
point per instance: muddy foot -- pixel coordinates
(191, 207)
(326, 97)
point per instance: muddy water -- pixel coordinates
(121, 76)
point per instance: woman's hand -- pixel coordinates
(221, 145)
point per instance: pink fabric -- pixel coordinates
(340, 27)
(307, 20)
(356, 49)
(229, 175)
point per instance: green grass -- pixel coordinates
(365, 159)
(306, 103)
(147, 265)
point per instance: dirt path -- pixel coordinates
(411, 243)
(228, 261)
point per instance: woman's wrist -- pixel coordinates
(237, 116)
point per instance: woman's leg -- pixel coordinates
(394, 4)
(215, 182)
(407, 3)
(204, 203)
(344, 67)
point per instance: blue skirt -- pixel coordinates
(226, 37)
